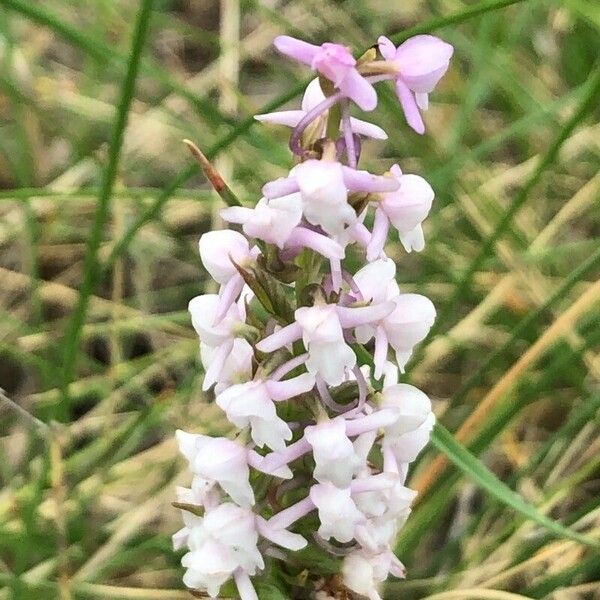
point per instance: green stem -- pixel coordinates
(91, 267)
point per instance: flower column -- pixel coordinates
(325, 436)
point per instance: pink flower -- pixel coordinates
(277, 221)
(406, 208)
(218, 461)
(338, 514)
(362, 571)
(336, 63)
(408, 435)
(321, 329)
(252, 404)
(335, 458)
(220, 249)
(421, 62)
(313, 96)
(324, 187)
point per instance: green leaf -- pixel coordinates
(269, 591)
(480, 474)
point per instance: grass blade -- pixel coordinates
(587, 103)
(91, 266)
(480, 474)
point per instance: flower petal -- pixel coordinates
(409, 106)
(386, 47)
(297, 49)
(359, 90)
(291, 118)
(423, 60)
(367, 129)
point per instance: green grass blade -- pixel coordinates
(576, 275)
(480, 474)
(458, 17)
(587, 103)
(91, 266)
(245, 125)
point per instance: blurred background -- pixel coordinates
(98, 260)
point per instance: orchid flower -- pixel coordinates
(307, 311)
(336, 63)
(421, 62)
(313, 96)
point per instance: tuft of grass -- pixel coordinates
(100, 212)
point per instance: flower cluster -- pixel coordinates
(303, 352)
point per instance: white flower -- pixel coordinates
(224, 541)
(335, 458)
(362, 572)
(412, 405)
(270, 220)
(408, 325)
(407, 446)
(237, 367)
(409, 434)
(220, 249)
(219, 461)
(338, 514)
(313, 96)
(404, 327)
(203, 310)
(377, 281)
(190, 520)
(328, 354)
(324, 195)
(406, 208)
(252, 404)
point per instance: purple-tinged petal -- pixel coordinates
(228, 294)
(281, 537)
(386, 47)
(359, 90)
(280, 187)
(409, 106)
(381, 351)
(297, 49)
(373, 483)
(381, 418)
(396, 171)
(216, 366)
(291, 514)
(422, 61)
(367, 129)
(336, 274)
(288, 366)
(381, 226)
(422, 100)
(361, 315)
(276, 460)
(288, 388)
(363, 181)
(236, 214)
(284, 336)
(359, 233)
(307, 238)
(291, 118)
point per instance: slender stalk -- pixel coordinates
(91, 267)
